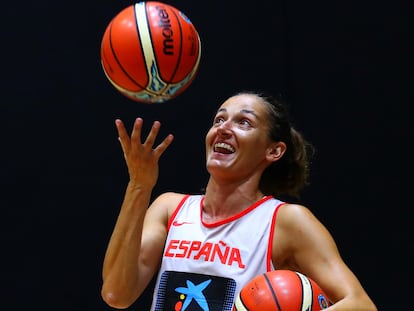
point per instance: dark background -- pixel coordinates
(344, 68)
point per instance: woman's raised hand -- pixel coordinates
(141, 157)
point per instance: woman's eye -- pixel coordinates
(245, 122)
(218, 120)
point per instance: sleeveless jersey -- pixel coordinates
(204, 266)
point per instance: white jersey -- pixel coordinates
(205, 265)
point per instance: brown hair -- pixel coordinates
(289, 175)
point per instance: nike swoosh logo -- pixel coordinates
(178, 223)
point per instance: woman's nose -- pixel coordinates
(224, 128)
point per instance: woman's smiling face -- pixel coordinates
(238, 139)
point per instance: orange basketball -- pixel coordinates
(281, 290)
(150, 52)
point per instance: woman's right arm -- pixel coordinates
(135, 247)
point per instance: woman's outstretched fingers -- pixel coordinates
(153, 134)
(132, 145)
(150, 141)
(120, 128)
(159, 150)
(136, 131)
(122, 135)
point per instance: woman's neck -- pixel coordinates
(223, 200)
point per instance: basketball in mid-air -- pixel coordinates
(150, 52)
(281, 290)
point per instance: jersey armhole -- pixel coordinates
(177, 209)
(269, 264)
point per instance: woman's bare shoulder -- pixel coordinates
(175, 196)
(292, 213)
(168, 201)
(297, 231)
(170, 198)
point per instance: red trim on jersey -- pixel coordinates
(270, 243)
(234, 217)
(170, 221)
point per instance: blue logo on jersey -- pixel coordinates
(194, 292)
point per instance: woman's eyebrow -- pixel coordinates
(249, 112)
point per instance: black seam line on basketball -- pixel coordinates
(301, 284)
(312, 290)
(181, 48)
(242, 302)
(272, 291)
(120, 65)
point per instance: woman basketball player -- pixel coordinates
(205, 247)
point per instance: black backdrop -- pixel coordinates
(344, 69)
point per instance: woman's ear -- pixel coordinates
(276, 151)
